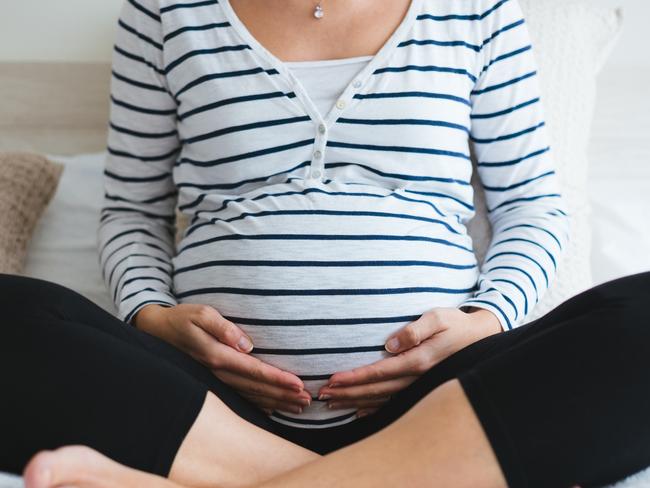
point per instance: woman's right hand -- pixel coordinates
(203, 333)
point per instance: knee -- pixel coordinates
(27, 295)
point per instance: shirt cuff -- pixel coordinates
(129, 308)
(495, 303)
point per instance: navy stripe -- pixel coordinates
(398, 175)
(517, 185)
(503, 314)
(229, 101)
(322, 292)
(531, 226)
(427, 42)
(239, 157)
(131, 256)
(326, 264)
(106, 213)
(177, 6)
(322, 237)
(125, 154)
(145, 11)
(315, 322)
(160, 198)
(442, 195)
(504, 84)
(142, 290)
(139, 84)
(506, 111)
(225, 186)
(319, 350)
(144, 135)
(128, 315)
(304, 421)
(141, 109)
(434, 123)
(443, 18)
(137, 179)
(525, 199)
(202, 52)
(239, 128)
(418, 150)
(522, 255)
(437, 69)
(506, 56)
(194, 28)
(140, 59)
(413, 94)
(508, 137)
(503, 280)
(227, 74)
(352, 213)
(306, 191)
(515, 161)
(128, 232)
(529, 241)
(514, 268)
(146, 39)
(315, 377)
(501, 31)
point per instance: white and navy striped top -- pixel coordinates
(322, 234)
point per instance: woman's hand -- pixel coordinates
(203, 333)
(420, 345)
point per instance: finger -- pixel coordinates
(224, 358)
(405, 364)
(367, 391)
(257, 388)
(211, 321)
(414, 333)
(358, 404)
(271, 404)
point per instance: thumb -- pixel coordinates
(412, 334)
(225, 331)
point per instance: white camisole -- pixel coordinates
(326, 79)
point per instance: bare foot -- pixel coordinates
(82, 467)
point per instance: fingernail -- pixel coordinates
(392, 345)
(245, 344)
(296, 409)
(305, 401)
(332, 406)
(333, 385)
(324, 396)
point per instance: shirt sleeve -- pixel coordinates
(530, 223)
(137, 223)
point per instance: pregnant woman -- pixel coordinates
(325, 295)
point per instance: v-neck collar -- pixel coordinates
(354, 86)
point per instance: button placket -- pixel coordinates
(318, 156)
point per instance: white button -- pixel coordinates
(317, 154)
(356, 84)
(315, 174)
(340, 104)
(322, 129)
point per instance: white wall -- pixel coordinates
(57, 30)
(83, 30)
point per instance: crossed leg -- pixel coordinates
(439, 442)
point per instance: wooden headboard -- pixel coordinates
(54, 108)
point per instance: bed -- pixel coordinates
(60, 110)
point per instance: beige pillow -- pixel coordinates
(27, 183)
(571, 41)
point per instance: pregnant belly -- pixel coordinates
(321, 287)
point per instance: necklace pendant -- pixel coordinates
(318, 12)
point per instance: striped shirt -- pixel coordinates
(322, 234)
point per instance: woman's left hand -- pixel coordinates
(420, 345)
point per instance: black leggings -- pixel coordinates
(564, 400)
